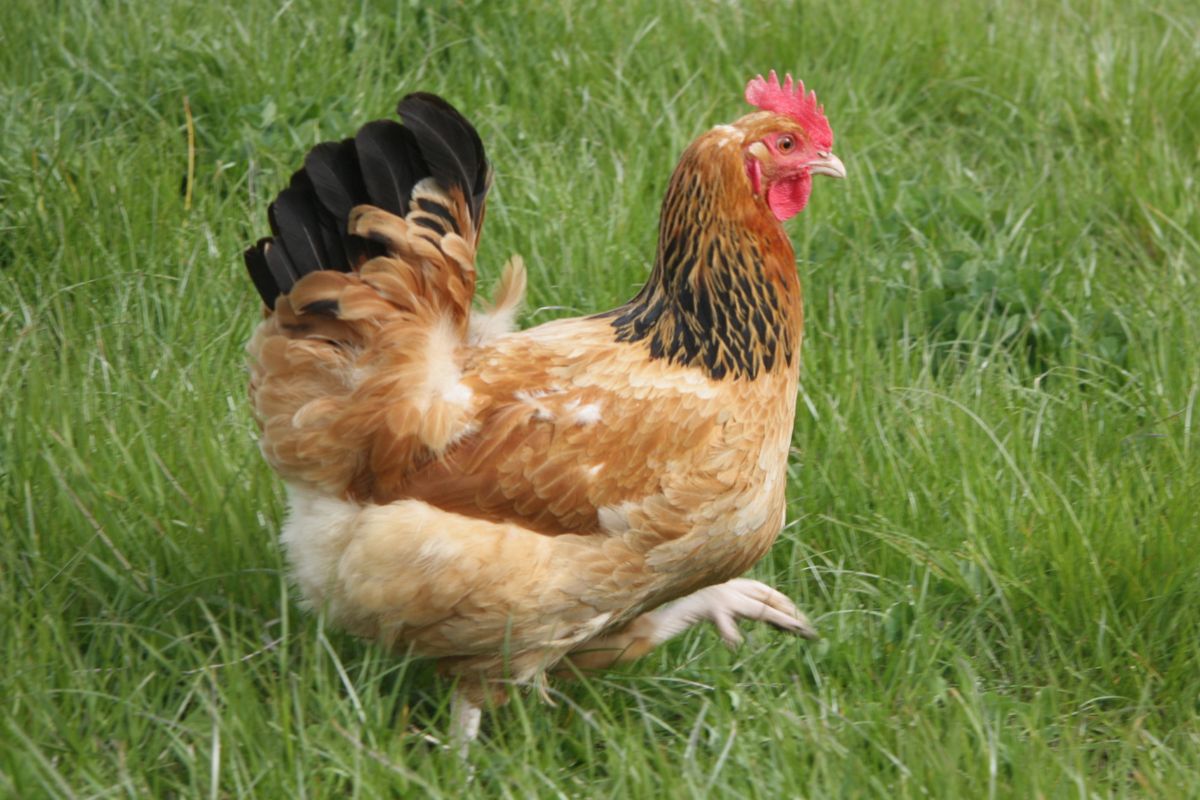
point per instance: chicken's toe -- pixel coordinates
(743, 598)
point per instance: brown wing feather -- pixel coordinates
(570, 423)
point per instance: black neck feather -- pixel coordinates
(710, 301)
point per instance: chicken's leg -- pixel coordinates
(465, 716)
(723, 605)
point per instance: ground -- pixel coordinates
(993, 516)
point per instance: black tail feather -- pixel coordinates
(281, 270)
(449, 143)
(391, 163)
(296, 222)
(338, 248)
(333, 174)
(333, 169)
(379, 166)
(260, 272)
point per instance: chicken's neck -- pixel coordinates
(724, 295)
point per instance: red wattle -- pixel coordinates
(788, 197)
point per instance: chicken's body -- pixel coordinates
(501, 501)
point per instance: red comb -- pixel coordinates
(768, 95)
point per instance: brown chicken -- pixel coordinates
(583, 490)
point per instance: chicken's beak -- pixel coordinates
(827, 164)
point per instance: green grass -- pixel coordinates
(994, 501)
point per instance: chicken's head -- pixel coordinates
(786, 142)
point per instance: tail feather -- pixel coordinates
(382, 166)
(333, 170)
(296, 220)
(391, 163)
(356, 376)
(281, 269)
(260, 270)
(336, 177)
(451, 146)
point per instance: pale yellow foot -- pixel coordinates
(724, 605)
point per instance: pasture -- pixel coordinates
(995, 489)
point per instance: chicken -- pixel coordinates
(508, 502)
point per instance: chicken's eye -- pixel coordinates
(785, 144)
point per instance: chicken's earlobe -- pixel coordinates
(755, 155)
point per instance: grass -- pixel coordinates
(993, 506)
